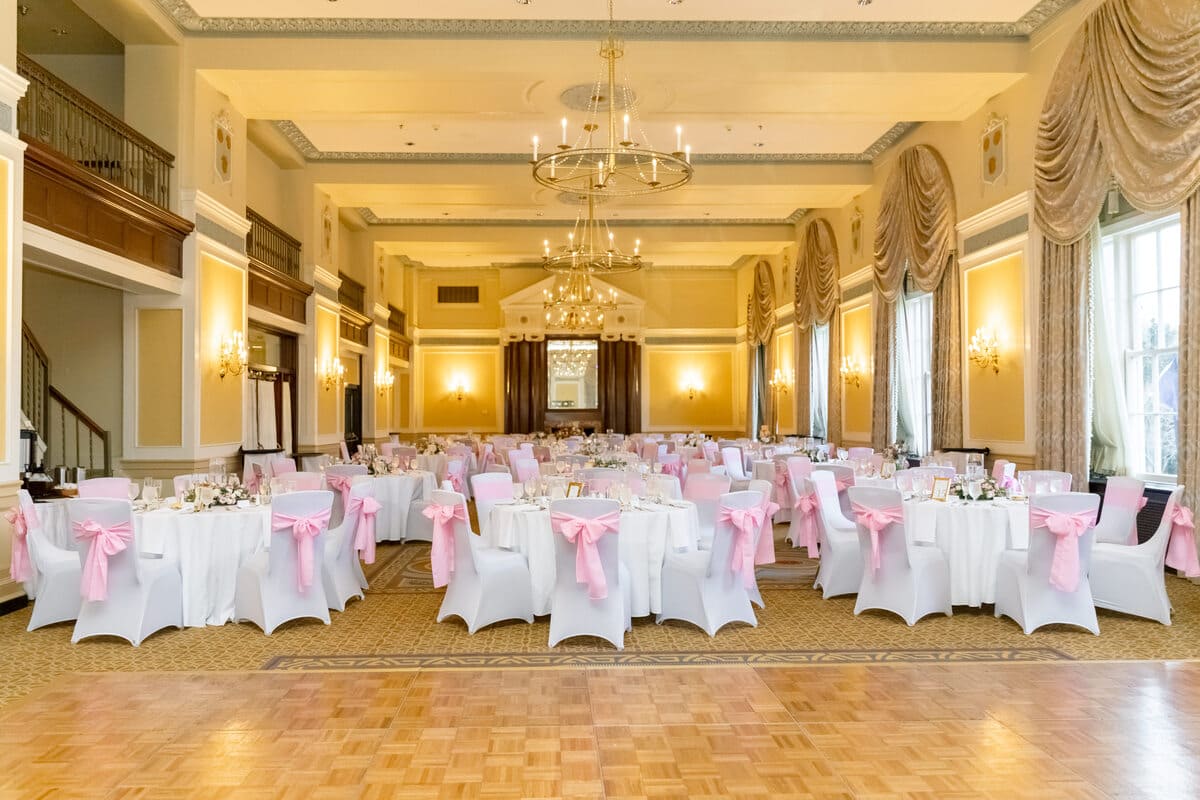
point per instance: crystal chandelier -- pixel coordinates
(611, 157)
(591, 247)
(571, 359)
(575, 305)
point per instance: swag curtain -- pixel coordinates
(525, 387)
(760, 329)
(816, 303)
(621, 386)
(1123, 107)
(915, 235)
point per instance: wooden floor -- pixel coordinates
(914, 731)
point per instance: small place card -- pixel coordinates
(941, 488)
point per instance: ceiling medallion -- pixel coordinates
(591, 248)
(611, 157)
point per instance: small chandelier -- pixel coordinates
(572, 359)
(233, 356)
(591, 247)
(575, 305)
(622, 163)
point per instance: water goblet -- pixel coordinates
(134, 490)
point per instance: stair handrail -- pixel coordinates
(89, 423)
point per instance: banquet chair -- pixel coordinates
(573, 611)
(697, 466)
(1024, 590)
(387, 449)
(651, 451)
(345, 451)
(339, 478)
(598, 479)
(767, 529)
(525, 469)
(1124, 497)
(672, 464)
(420, 528)
(731, 457)
(305, 481)
(105, 488)
(910, 581)
(541, 453)
(843, 477)
(1004, 472)
(456, 474)
(1043, 481)
(282, 466)
(269, 591)
(1129, 578)
(490, 489)
(705, 490)
(860, 453)
(408, 455)
(341, 572)
(526, 449)
(803, 514)
(144, 595)
(701, 586)
(955, 459)
(841, 566)
(57, 570)
(180, 483)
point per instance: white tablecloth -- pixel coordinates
(644, 537)
(435, 463)
(395, 494)
(972, 535)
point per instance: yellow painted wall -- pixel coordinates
(209, 104)
(857, 338)
(159, 377)
(402, 401)
(6, 269)
(352, 376)
(383, 403)
(222, 309)
(995, 300)
(328, 400)
(667, 373)
(479, 370)
(785, 361)
(485, 315)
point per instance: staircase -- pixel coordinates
(73, 439)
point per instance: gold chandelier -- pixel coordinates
(591, 247)
(611, 158)
(575, 305)
(571, 359)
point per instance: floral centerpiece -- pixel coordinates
(570, 430)
(989, 489)
(695, 439)
(540, 436)
(609, 463)
(764, 434)
(817, 455)
(216, 494)
(430, 447)
(591, 446)
(897, 452)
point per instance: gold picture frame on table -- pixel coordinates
(941, 489)
(574, 489)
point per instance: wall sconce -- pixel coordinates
(852, 371)
(459, 391)
(781, 381)
(692, 385)
(384, 381)
(984, 350)
(331, 373)
(233, 356)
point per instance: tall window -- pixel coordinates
(914, 370)
(1141, 263)
(818, 382)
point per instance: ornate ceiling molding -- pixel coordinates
(304, 146)
(369, 217)
(188, 20)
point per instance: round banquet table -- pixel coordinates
(395, 493)
(644, 536)
(972, 534)
(435, 463)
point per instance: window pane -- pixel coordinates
(1169, 255)
(1169, 305)
(1169, 464)
(1150, 451)
(1146, 401)
(1145, 322)
(1167, 383)
(1145, 262)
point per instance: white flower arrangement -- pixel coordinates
(227, 494)
(430, 447)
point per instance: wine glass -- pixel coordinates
(134, 490)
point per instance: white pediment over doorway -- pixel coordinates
(525, 314)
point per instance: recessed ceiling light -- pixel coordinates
(410, 144)
(759, 144)
(60, 31)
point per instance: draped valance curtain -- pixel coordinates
(1124, 107)
(760, 328)
(915, 236)
(816, 303)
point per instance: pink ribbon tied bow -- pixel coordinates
(1064, 568)
(442, 552)
(806, 506)
(21, 568)
(673, 468)
(340, 483)
(584, 533)
(364, 535)
(875, 520)
(456, 480)
(843, 483)
(1181, 547)
(745, 522)
(304, 530)
(105, 542)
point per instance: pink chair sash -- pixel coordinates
(1181, 547)
(253, 478)
(584, 533)
(487, 459)
(806, 506)
(21, 568)
(104, 542)
(875, 520)
(673, 468)
(304, 530)
(442, 552)
(340, 483)
(1064, 569)
(765, 552)
(364, 536)
(843, 483)
(745, 522)
(454, 475)
(283, 466)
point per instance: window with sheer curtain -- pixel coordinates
(1138, 300)
(818, 381)
(914, 370)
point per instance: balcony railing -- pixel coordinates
(352, 294)
(272, 246)
(54, 113)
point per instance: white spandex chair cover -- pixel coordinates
(335, 474)
(731, 457)
(701, 586)
(1023, 588)
(798, 470)
(341, 573)
(267, 591)
(180, 483)
(57, 570)
(1129, 578)
(841, 566)
(765, 489)
(144, 594)
(860, 453)
(490, 488)
(911, 581)
(1046, 481)
(1123, 499)
(105, 488)
(705, 490)
(574, 612)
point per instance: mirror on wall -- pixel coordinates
(572, 366)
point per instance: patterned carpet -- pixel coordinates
(394, 628)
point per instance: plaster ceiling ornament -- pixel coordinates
(993, 149)
(223, 147)
(327, 230)
(856, 220)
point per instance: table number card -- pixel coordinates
(941, 488)
(574, 489)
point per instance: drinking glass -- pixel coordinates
(975, 460)
(974, 488)
(134, 490)
(149, 491)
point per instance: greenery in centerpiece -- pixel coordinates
(430, 447)
(989, 489)
(609, 463)
(223, 494)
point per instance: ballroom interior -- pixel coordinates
(430, 244)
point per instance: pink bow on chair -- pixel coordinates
(875, 520)
(765, 552)
(745, 521)
(304, 530)
(584, 533)
(673, 468)
(843, 483)
(456, 480)
(21, 568)
(364, 535)
(1181, 547)
(105, 542)
(806, 505)
(1064, 569)
(442, 552)
(340, 483)
(253, 478)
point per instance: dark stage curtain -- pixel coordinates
(525, 381)
(621, 386)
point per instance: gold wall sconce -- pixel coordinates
(984, 350)
(852, 371)
(384, 380)
(692, 385)
(233, 355)
(781, 381)
(331, 373)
